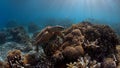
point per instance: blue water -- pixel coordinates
(38, 11)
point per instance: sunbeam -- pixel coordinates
(106, 10)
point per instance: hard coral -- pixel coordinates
(84, 62)
(30, 59)
(46, 35)
(98, 41)
(118, 53)
(104, 34)
(14, 59)
(109, 63)
(72, 53)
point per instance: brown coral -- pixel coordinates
(30, 59)
(47, 34)
(2, 37)
(118, 54)
(98, 41)
(109, 63)
(14, 59)
(72, 53)
(1, 64)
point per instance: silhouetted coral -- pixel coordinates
(2, 37)
(32, 27)
(18, 34)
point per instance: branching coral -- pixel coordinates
(84, 62)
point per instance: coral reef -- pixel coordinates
(1, 64)
(46, 34)
(108, 63)
(18, 34)
(98, 41)
(84, 62)
(118, 55)
(2, 37)
(32, 27)
(116, 26)
(14, 59)
(82, 45)
(4, 48)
